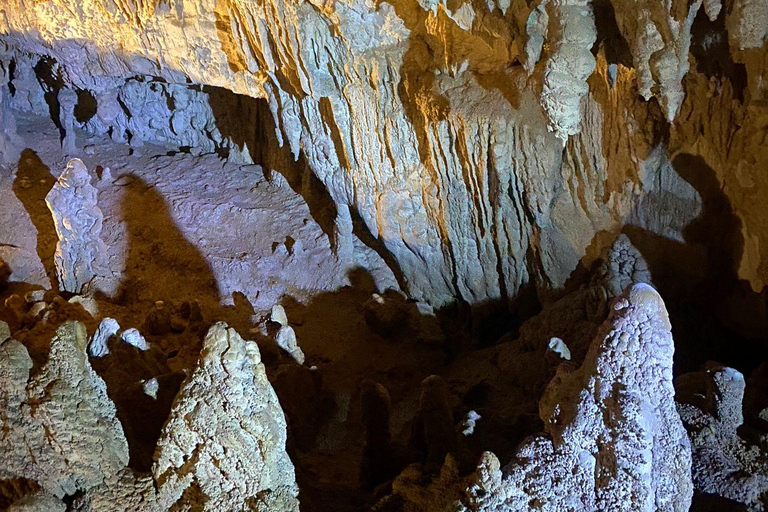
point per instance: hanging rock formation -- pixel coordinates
(430, 122)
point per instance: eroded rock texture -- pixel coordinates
(439, 125)
(73, 202)
(724, 464)
(614, 440)
(59, 426)
(223, 447)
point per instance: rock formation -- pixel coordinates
(429, 123)
(67, 103)
(613, 438)
(73, 202)
(225, 439)
(724, 464)
(60, 428)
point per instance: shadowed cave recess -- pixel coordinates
(392, 256)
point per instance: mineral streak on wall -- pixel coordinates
(487, 144)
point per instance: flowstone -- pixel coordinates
(73, 202)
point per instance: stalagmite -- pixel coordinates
(226, 441)
(724, 464)
(73, 202)
(613, 439)
(61, 429)
(67, 102)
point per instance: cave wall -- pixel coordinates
(487, 145)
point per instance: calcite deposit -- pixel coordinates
(613, 441)
(472, 244)
(724, 464)
(225, 436)
(60, 427)
(431, 122)
(74, 206)
(223, 447)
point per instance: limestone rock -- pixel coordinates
(60, 426)
(134, 338)
(124, 492)
(38, 502)
(612, 422)
(659, 39)
(78, 220)
(415, 117)
(724, 464)
(286, 339)
(613, 439)
(67, 103)
(278, 315)
(98, 346)
(576, 317)
(572, 32)
(225, 438)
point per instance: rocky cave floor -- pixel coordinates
(380, 385)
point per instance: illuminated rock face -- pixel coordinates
(225, 438)
(74, 206)
(613, 439)
(222, 448)
(61, 429)
(440, 125)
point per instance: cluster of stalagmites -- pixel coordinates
(614, 437)
(222, 447)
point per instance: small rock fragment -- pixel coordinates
(278, 315)
(98, 346)
(469, 423)
(559, 348)
(286, 339)
(151, 387)
(134, 338)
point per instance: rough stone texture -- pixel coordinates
(613, 438)
(286, 339)
(124, 492)
(78, 220)
(724, 464)
(418, 119)
(225, 438)
(38, 502)
(576, 317)
(98, 346)
(572, 28)
(60, 428)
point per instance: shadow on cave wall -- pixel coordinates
(32, 184)
(714, 314)
(160, 262)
